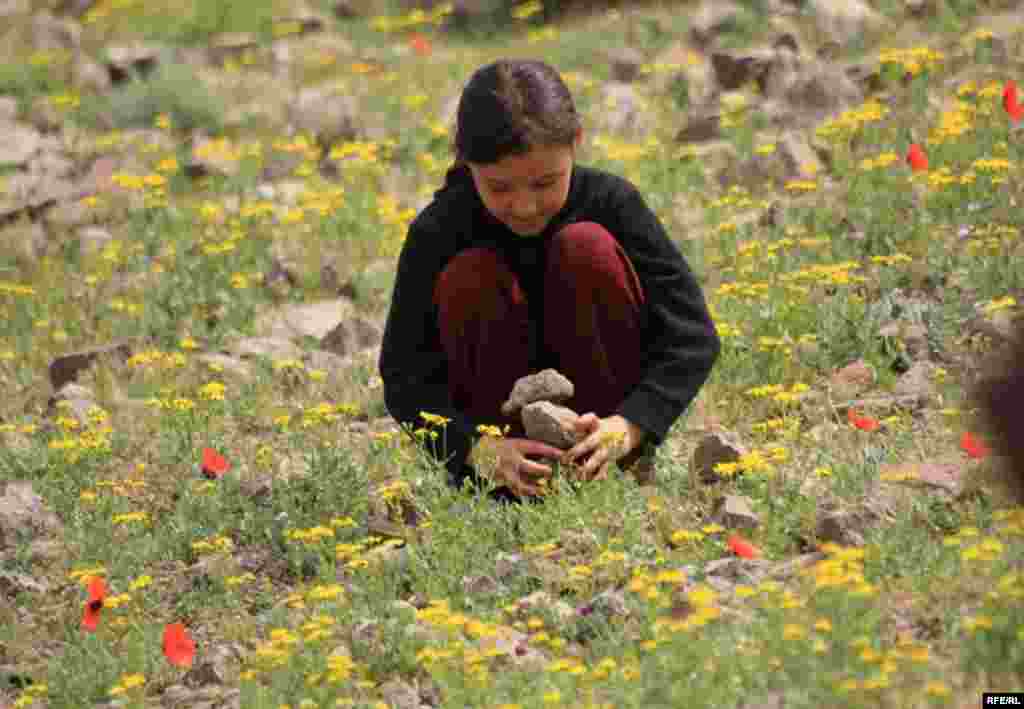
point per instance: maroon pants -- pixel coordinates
(590, 329)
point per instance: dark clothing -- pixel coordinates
(601, 294)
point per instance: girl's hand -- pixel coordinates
(504, 461)
(608, 440)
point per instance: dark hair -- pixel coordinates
(509, 107)
(1000, 396)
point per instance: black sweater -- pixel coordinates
(679, 339)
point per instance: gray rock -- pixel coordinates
(550, 423)
(129, 60)
(27, 240)
(49, 33)
(545, 385)
(13, 583)
(715, 448)
(734, 512)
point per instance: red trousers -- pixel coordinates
(590, 329)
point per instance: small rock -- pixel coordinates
(841, 527)
(734, 512)
(546, 385)
(272, 347)
(13, 583)
(712, 18)
(65, 368)
(843, 20)
(330, 117)
(92, 239)
(23, 513)
(738, 570)
(400, 695)
(801, 160)
(8, 110)
(18, 143)
(715, 448)
(344, 10)
(550, 423)
(127, 61)
(482, 585)
(626, 63)
(351, 336)
(917, 381)
(90, 77)
(853, 379)
(701, 125)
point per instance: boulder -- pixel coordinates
(715, 448)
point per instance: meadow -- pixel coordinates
(210, 532)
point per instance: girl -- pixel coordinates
(524, 261)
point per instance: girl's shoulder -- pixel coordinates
(596, 184)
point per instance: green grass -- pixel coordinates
(283, 556)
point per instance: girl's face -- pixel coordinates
(525, 191)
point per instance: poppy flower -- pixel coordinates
(864, 423)
(741, 547)
(179, 648)
(973, 446)
(97, 592)
(916, 158)
(420, 44)
(1010, 101)
(214, 464)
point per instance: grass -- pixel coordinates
(328, 564)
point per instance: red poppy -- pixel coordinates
(214, 464)
(97, 592)
(420, 44)
(973, 446)
(179, 648)
(864, 423)
(1010, 101)
(741, 547)
(916, 158)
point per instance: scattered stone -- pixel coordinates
(842, 527)
(28, 241)
(624, 111)
(550, 423)
(546, 385)
(8, 111)
(711, 19)
(49, 33)
(24, 514)
(18, 143)
(842, 20)
(786, 569)
(918, 381)
(734, 512)
(701, 125)
(13, 583)
(715, 448)
(626, 63)
(273, 347)
(329, 116)
(215, 667)
(799, 157)
(345, 10)
(853, 379)
(231, 365)
(125, 62)
(737, 570)
(400, 695)
(941, 476)
(351, 336)
(482, 585)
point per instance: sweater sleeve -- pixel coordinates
(679, 338)
(413, 365)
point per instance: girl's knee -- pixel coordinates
(585, 245)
